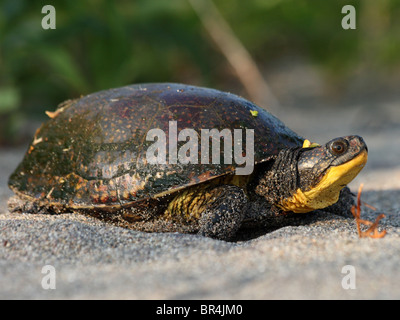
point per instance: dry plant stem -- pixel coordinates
(372, 231)
(368, 205)
(236, 54)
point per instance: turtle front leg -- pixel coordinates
(224, 214)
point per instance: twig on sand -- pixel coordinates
(372, 231)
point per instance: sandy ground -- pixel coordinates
(302, 260)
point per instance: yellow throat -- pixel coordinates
(326, 192)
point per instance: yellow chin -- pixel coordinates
(326, 192)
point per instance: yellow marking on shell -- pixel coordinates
(326, 192)
(37, 140)
(254, 113)
(113, 193)
(51, 114)
(125, 195)
(61, 108)
(50, 192)
(103, 197)
(307, 144)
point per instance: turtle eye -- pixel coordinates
(338, 147)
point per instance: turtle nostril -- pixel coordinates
(362, 142)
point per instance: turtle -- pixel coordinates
(117, 155)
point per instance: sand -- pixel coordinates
(305, 259)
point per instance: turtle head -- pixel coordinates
(322, 171)
(309, 178)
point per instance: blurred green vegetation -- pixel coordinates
(99, 44)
